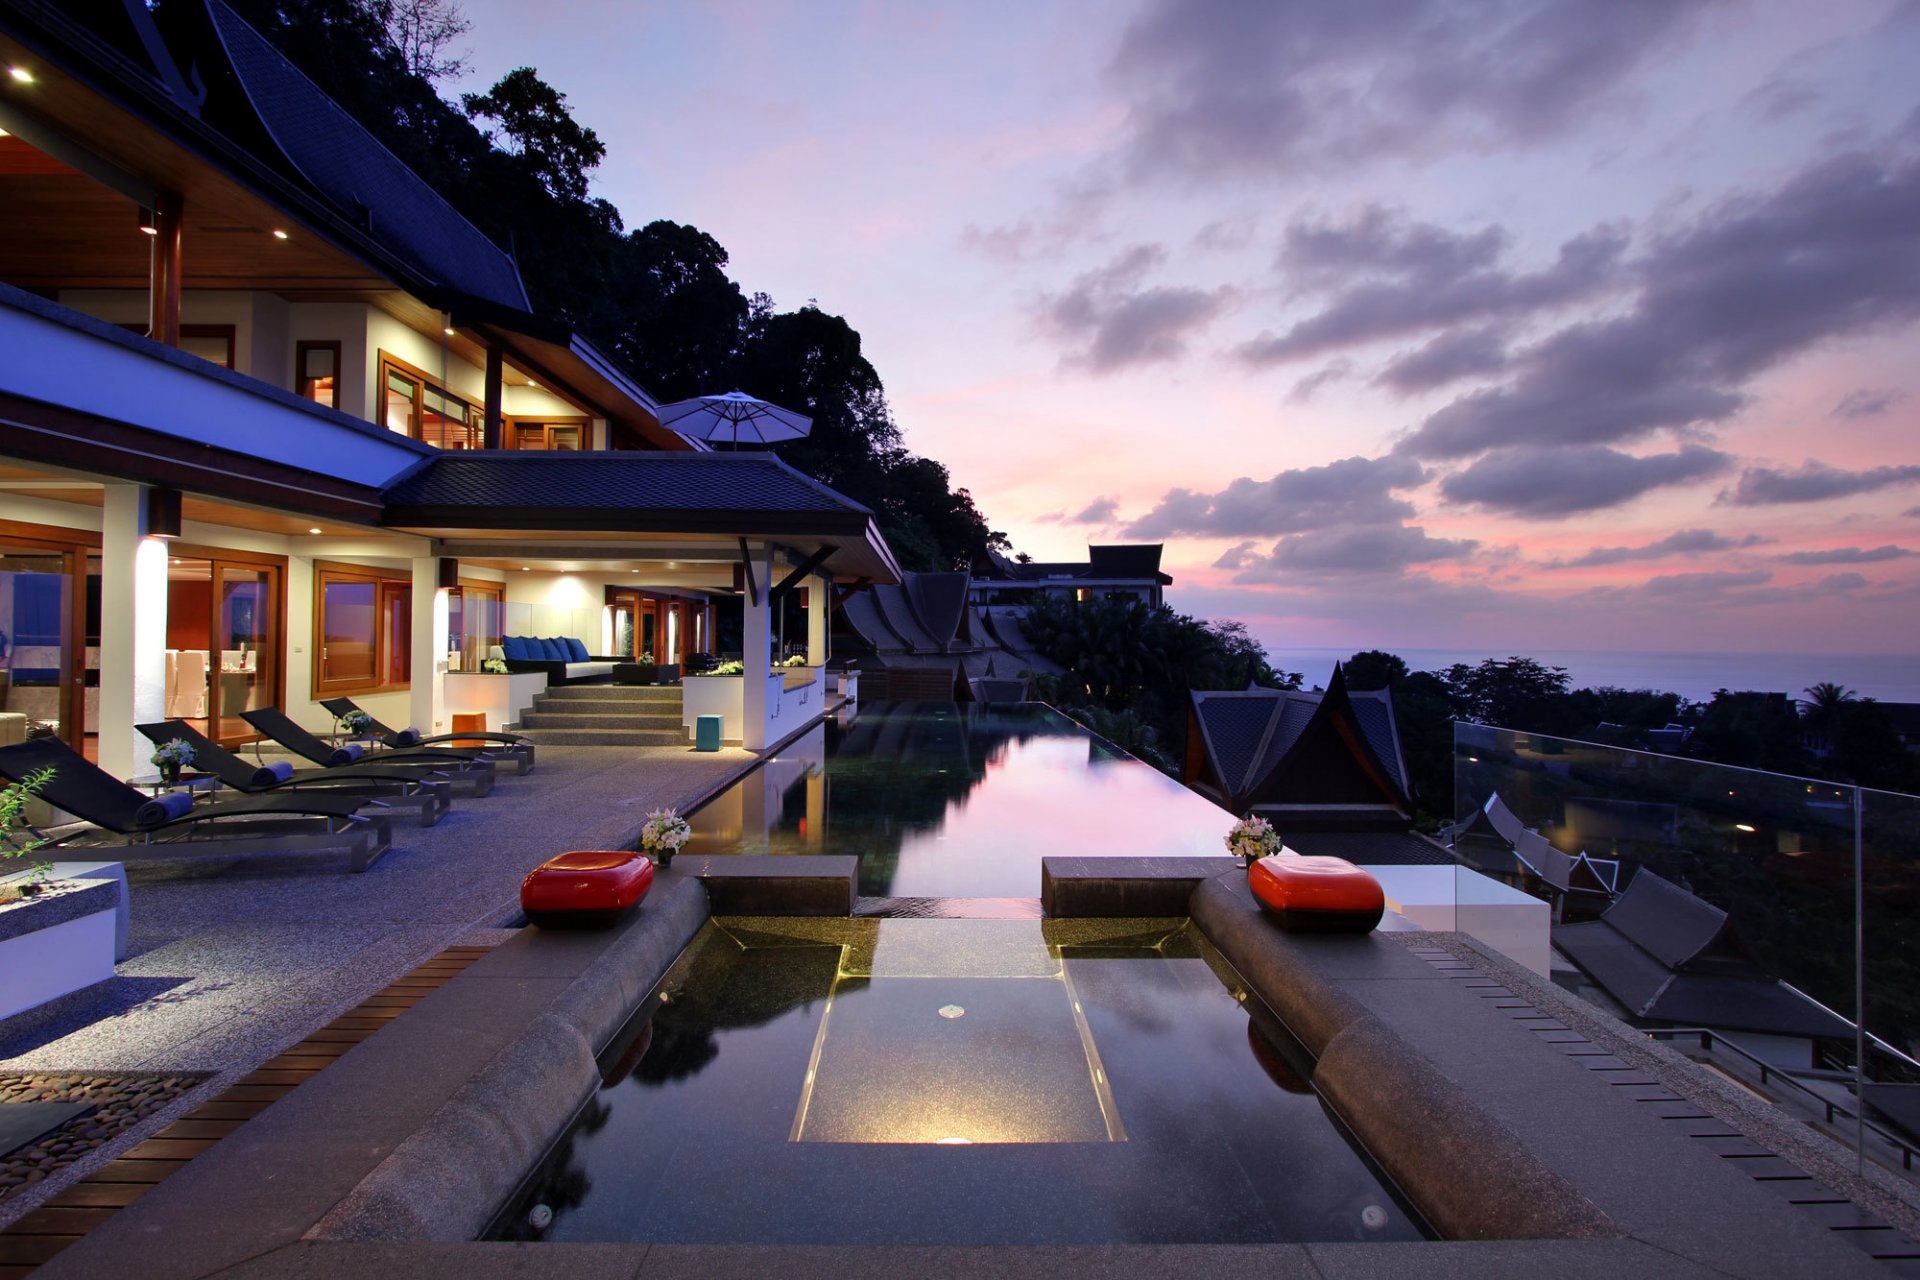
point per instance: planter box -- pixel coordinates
(56, 943)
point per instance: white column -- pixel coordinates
(817, 601)
(133, 632)
(427, 686)
(756, 635)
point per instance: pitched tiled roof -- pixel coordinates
(350, 167)
(494, 484)
(1374, 712)
(939, 602)
(1235, 725)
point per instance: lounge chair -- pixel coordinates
(471, 770)
(511, 746)
(426, 795)
(173, 826)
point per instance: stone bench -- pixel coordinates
(773, 885)
(1130, 886)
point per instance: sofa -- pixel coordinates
(562, 659)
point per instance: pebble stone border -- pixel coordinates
(122, 1099)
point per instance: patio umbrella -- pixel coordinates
(735, 416)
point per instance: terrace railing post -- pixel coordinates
(1859, 992)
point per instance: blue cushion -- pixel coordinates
(163, 809)
(576, 649)
(514, 647)
(404, 738)
(552, 650)
(346, 754)
(272, 775)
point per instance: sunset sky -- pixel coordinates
(1412, 323)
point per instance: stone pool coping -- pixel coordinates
(393, 1158)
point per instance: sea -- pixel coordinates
(1888, 677)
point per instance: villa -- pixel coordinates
(935, 981)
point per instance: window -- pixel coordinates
(316, 372)
(211, 342)
(363, 629)
(415, 405)
(554, 433)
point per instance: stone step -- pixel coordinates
(614, 692)
(570, 719)
(610, 737)
(609, 706)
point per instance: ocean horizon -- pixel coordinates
(1886, 677)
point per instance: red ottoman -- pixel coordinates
(1317, 895)
(586, 890)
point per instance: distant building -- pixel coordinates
(1127, 572)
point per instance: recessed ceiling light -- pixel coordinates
(525, 569)
(448, 332)
(533, 384)
(278, 234)
(313, 531)
(5, 134)
(21, 74)
(1741, 826)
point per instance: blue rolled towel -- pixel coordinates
(404, 738)
(272, 775)
(162, 809)
(346, 754)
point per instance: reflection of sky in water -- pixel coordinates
(794, 1090)
(956, 802)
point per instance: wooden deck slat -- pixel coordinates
(91, 1194)
(62, 1220)
(340, 1035)
(278, 1076)
(226, 1109)
(31, 1251)
(257, 1092)
(169, 1149)
(147, 1171)
(198, 1129)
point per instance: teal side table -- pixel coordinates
(706, 732)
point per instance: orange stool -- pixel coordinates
(1317, 895)
(586, 890)
(469, 721)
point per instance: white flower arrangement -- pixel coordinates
(733, 668)
(1253, 839)
(665, 831)
(177, 754)
(797, 660)
(494, 666)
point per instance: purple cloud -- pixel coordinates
(1554, 483)
(1849, 555)
(1680, 543)
(1751, 283)
(1222, 90)
(1868, 402)
(1099, 511)
(1813, 482)
(1387, 277)
(1116, 321)
(1348, 492)
(1455, 354)
(1373, 549)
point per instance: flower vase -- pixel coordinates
(662, 858)
(170, 774)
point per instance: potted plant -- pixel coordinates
(356, 724)
(1253, 839)
(170, 758)
(13, 803)
(646, 671)
(665, 831)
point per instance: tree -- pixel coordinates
(1513, 693)
(422, 30)
(556, 149)
(1822, 707)
(1373, 669)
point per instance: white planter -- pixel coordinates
(56, 943)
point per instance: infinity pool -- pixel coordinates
(952, 800)
(922, 1081)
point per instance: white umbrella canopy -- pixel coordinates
(736, 417)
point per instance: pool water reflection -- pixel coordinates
(928, 1082)
(955, 800)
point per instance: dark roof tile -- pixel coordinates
(597, 481)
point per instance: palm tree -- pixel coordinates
(1821, 707)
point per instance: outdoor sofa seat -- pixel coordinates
(425, 795)
(562, 659)
(174, 827)
(507, 746)
(471, 770)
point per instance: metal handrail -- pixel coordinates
(1716, 1041)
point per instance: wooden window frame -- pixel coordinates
(510, 428)
(300, 350)
(73, 546)
(386, 583)
(422, 380)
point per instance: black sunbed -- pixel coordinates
(474, 769)
(511, 746)
(167, 828)
(426, 795)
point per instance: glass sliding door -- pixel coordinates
(474, 625)
(41, 676)
(248, 630)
